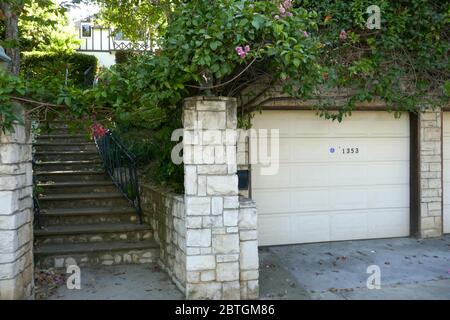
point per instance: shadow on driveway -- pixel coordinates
(122, 282)
(410, 269)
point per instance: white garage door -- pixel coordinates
(446, 169)
(336, 181)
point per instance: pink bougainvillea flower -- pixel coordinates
(287, 4)
(343, 35)
(306, 34)
(242, 52)
(281, 9)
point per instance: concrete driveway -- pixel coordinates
(409, 269)
(122, 282)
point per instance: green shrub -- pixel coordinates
(124, 56)
(152, 149)
(81, 67)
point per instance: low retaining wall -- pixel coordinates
(164, 211)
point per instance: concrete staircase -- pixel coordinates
(83, 215)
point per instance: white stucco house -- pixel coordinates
(103, 42)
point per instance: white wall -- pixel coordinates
(105, 59)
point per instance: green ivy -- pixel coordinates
(9, 114)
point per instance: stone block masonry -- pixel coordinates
(165, 212)
(16, 226)
(430, 175)
(208, 236)
(221, 258)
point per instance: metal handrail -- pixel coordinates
(120, 164)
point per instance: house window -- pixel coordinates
(86, 30)
(119, 36)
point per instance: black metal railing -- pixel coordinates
(37, 212)
(36, 206)
(121, 167)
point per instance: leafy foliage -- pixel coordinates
(42, 26)
(137, 20)
(9, 85)
(81, 68)
(222, 47)
(405, 63)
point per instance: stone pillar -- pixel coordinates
(16, 229)
(248, 242)
(211, 198)
(430, 175)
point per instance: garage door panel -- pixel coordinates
(347, 174)
(279, 180)
(354, 127)
(309, 175)
(388, 197)
(273, 200)
(388, 223)
(344, 198)
(307, 200)
(388, 173)
(348, 226)
(307, 150)
(276, 122)
(387, 125)
(395, 149)
(307, 126)
(446, 150)
(310, 228)
(446, 173)
(274, 230)
(446, 127)
(321, 193)
(282, 229)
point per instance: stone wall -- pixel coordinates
(16, 218)
(213, 243)
(165, 212)
(248, 243)
(430, 175)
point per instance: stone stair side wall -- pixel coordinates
(164, 211)
(16, 215)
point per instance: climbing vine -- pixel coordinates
(307, 46)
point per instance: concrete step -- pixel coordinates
(90, 215)
(76, 187)
(66, 146)
(70, 176)
(63, 138)
(66, 155)
(43, 124)
(65, 131)
(73, 200)
(99, 253)
(92, 233)
(58, 165)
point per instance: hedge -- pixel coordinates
(123, 56)
(81, 67)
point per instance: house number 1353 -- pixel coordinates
(350, 150)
